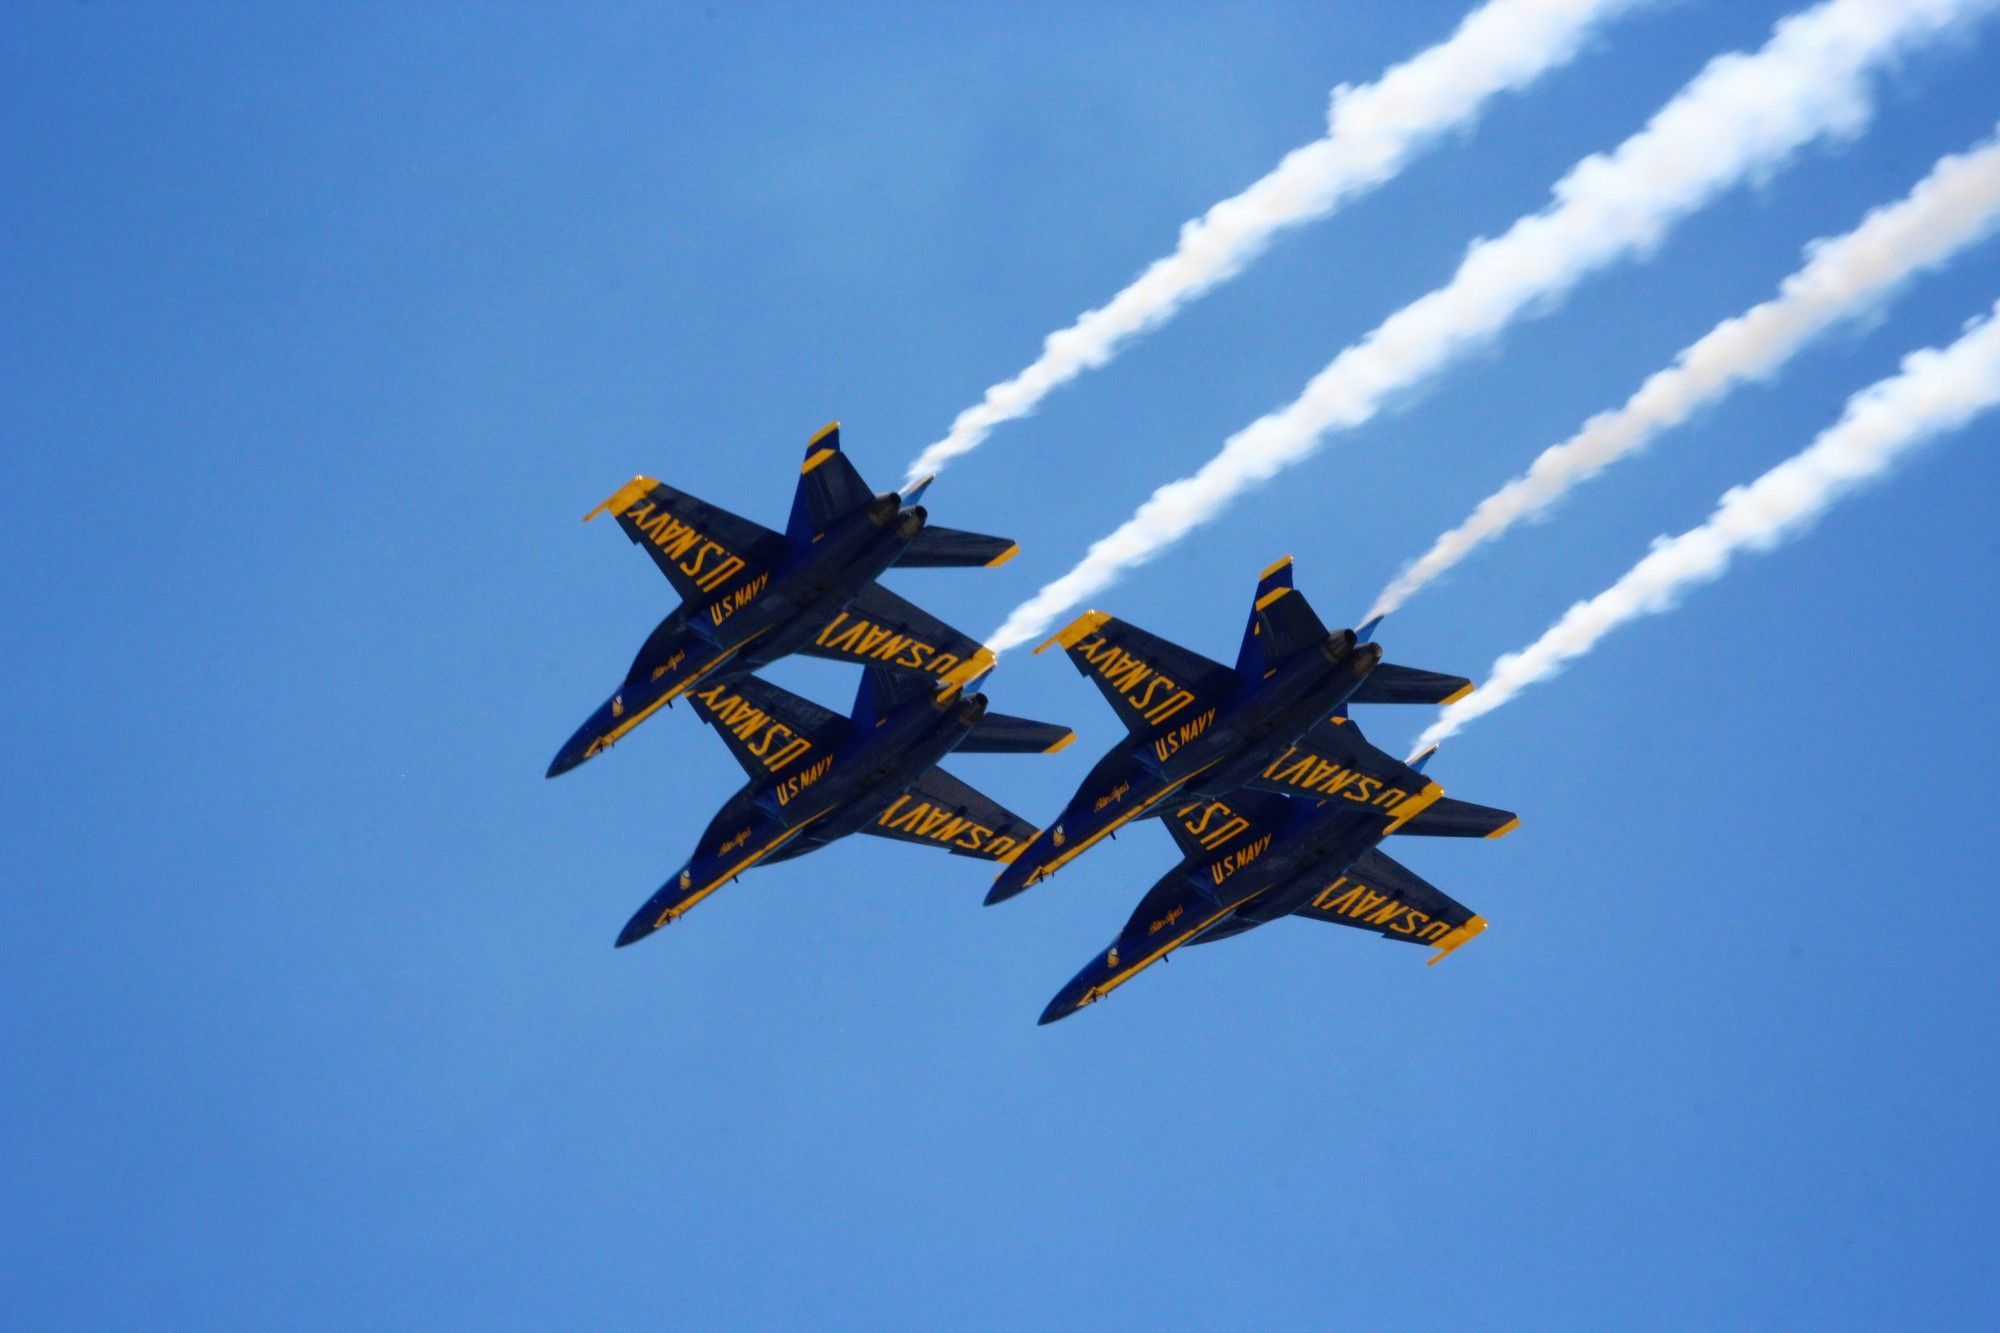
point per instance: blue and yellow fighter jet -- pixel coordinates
(750, 596)
(816, 776)
(1255, 856)
(1199, 728)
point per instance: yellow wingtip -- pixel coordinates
(824, 431)
(1506, 828)
(1458, 694)
(1068, 736)
(1274, 568)
(1006, 555)
(1456, 938)
(623, 498)
(977, 664)
(1071, 634)
(1414, 806)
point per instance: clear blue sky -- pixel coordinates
(325, 324)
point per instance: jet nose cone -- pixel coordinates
(567, 758)
(1006, 886)
(1068, 1000)
(638, 928)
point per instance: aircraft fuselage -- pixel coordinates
(1303, 861)
(1211, 754)
(751, 622)
(806, 805)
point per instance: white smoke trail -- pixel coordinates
(1373, 131)
(1937, 390)
(1742, 116)
(1957, 204)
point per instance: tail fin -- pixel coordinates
(883, 691)
(829, 487)
(1281, 624)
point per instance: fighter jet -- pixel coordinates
(750, 596)
(816, 776)
(1256, 856)
(1199, 728)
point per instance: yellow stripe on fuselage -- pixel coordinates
(739, 868)
(1069, 854)
(1096, 993)
(612, 736)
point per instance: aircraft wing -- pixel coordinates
(1204, 829)
(1382, 895)
(699, 547)
(1148, 681)
(769, 730)
(937, 810)
(878, 628)
(1333, 760)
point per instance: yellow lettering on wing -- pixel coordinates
(1369, 907)
(736, 599)
(764, 738)
(1236, 860)
(1170, 742)
(1155, 697)
(802, 779)
(1215, 826)
(857, 636)
(708, 562)
(919, 819)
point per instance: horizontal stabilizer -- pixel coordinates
(829, 487)
(948, 548)
(937, 810)
(1381, 894)
(1149, 682)
(1392, 684)
(1447, 818)
(999, 733)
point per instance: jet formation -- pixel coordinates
(1276, 802)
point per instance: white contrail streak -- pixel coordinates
(1843, 277)
(1744, 115)
(1937, 390)
(1373, 132)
